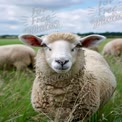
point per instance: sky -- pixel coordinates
(46, 16)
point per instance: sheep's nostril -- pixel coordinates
(66, 61)
(62, 62)
(58, 61)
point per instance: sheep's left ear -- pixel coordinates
(30, 40)
(92, 40)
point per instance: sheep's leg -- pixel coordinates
(21, 66)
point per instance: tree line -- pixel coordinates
(107, 34)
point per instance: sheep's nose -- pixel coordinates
(62, 62)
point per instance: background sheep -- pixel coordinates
(71, 82)
(17, 55)
(113, 48)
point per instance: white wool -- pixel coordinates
(113, 48)
(79, 92)
(16, 55)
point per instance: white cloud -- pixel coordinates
(75, 20)
(43, 3)
(79, 21)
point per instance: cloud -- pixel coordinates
(74, 21)
(54, 4)
(77, 20)
(80, 21)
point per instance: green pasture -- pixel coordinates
(15, 91)
(9, 41)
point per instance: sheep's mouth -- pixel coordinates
(61, 69)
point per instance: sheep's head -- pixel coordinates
(61, 49)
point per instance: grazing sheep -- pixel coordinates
(16, 55)
(71, 82)
(113, 48)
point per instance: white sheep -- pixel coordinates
(71, 82)
(113, 48)
(95, 48)
(16, 55)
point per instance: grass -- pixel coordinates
(9, 41)
(15, 92)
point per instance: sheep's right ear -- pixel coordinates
(30, 40)
(92, 40)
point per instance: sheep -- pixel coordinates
(113, 48)
(72, 82)
(94, 48)
(16, 55)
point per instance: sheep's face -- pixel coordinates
(61, 55)
(61, 50)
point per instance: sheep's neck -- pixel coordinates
(58, 80)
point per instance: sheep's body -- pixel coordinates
(16, 55)
(71, 82)
(113, 48)
(94, 48)
(69, 95)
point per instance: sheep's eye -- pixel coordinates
(49, 49)
(72, 50)
(44, 45)
(78, 45)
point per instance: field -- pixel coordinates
(15, 90)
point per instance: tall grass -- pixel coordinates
(15, 95)
(15, 89)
